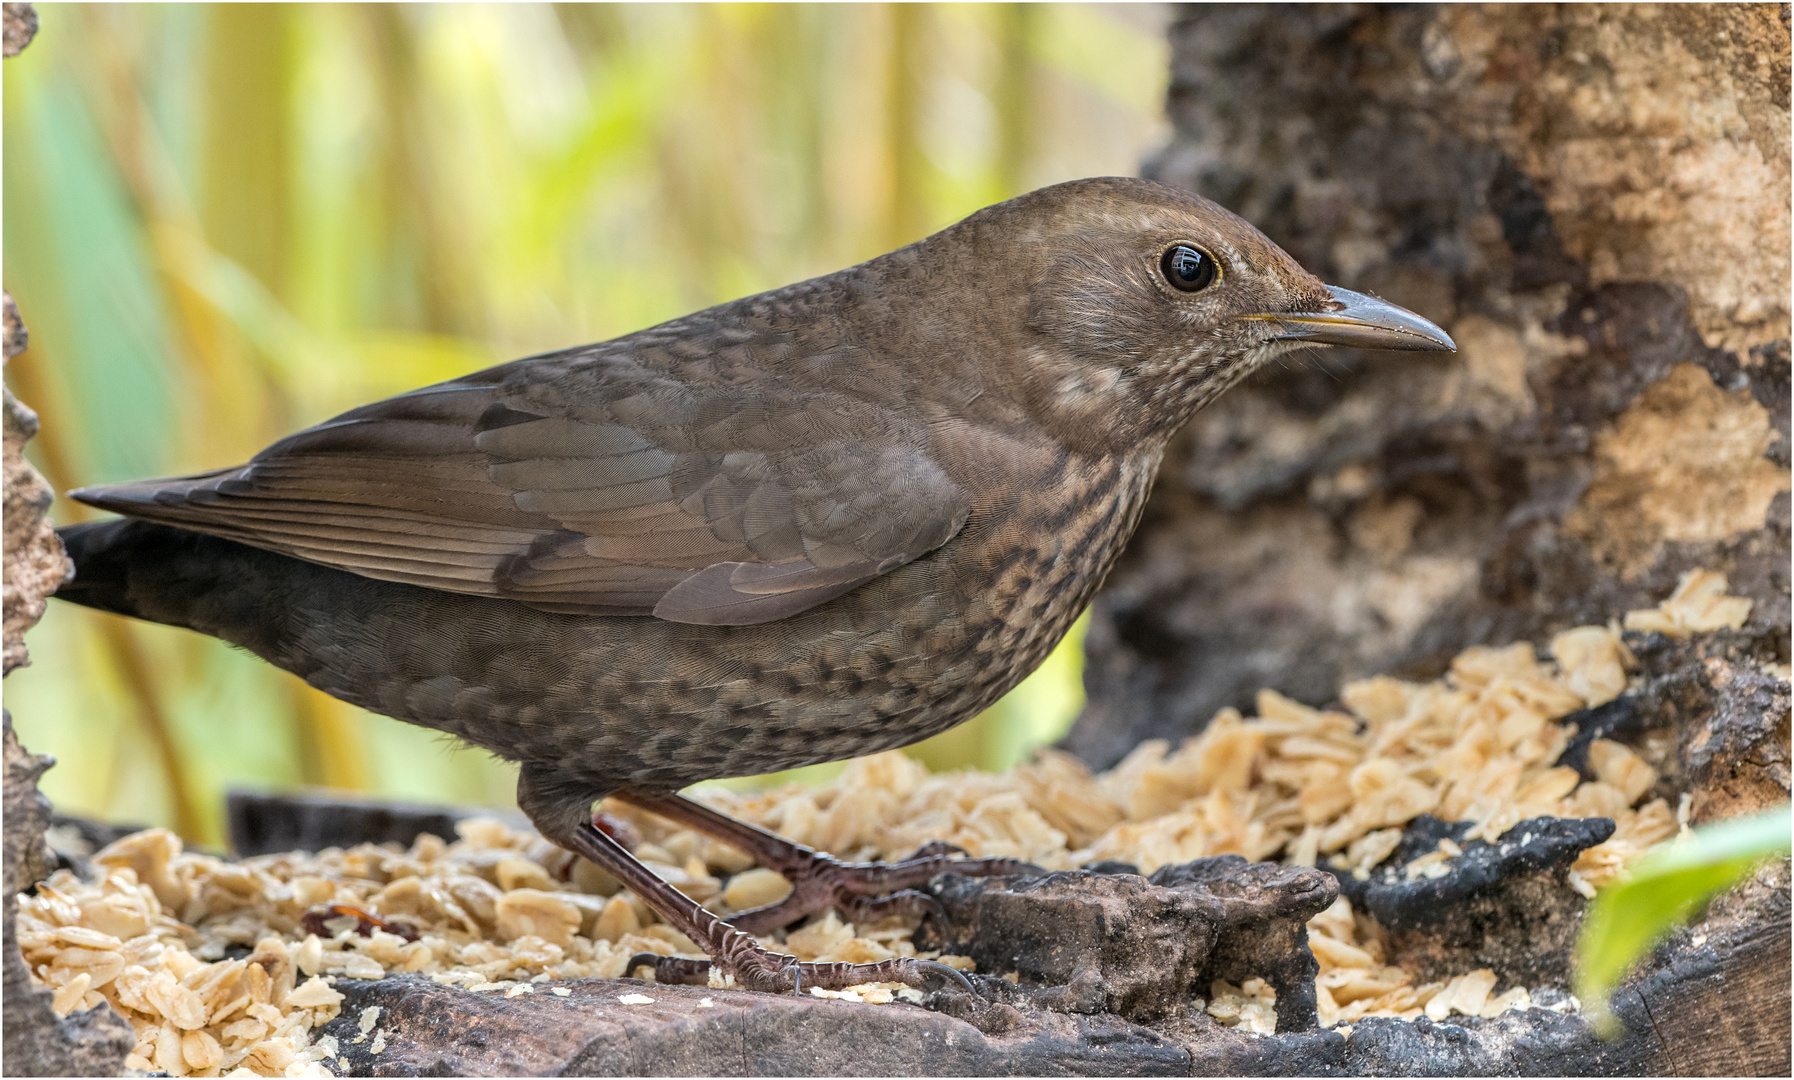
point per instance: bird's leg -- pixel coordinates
(734, 951)
(546, 800)
(820, 881)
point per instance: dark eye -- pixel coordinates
(1188, 269)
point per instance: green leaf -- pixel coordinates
(1659, 892)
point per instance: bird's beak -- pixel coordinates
(1361, 322)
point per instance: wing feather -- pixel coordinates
(588, 482)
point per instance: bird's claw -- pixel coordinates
(759, 969)
(678, 970)
(908, 904)
(854, 889)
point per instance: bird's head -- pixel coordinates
(1144, 302)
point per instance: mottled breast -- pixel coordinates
(904, 657)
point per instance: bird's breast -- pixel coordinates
(1038, 560)
(941, 639)
(903, 657)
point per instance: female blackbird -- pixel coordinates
(819, 522)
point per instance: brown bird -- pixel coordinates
(823, 521)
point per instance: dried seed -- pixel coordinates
(617, 919)
(314, 993)
(70, 994)
(1616, 765)
(533, 912)
(169, 1057)
(182, 1007)
(101, 967)
(1339, 954)
(270, 1057)
(516, 872)
(85, 938)
(357, 966)
(201, 1051)
(756, 888)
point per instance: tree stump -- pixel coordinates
(1618, 411)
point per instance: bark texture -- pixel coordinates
(35, 563)
(1594, 201)
(37, 1042)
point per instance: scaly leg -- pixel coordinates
(562, 814)
(820, 881)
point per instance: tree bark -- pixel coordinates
(37, 1041)
(1594, 200)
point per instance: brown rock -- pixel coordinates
(1140, 948)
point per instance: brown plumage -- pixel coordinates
(810, 524)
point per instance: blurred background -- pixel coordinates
(225, 223)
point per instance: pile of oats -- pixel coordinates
(227, 968)
(1355, 982)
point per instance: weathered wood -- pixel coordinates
(36, 1041)
(433, 1030)
(1721, 1007)
(1704, 1009)
(35, 563)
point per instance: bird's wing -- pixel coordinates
(593, 487)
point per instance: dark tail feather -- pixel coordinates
(168, 575)
(102, 552)
(359, 639)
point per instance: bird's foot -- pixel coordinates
(859, 890)
(755, 968)
(820, 881)
(732, 952)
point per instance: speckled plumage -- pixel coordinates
(620, 701)
(961, 432)
(827, 520)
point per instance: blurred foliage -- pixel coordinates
(224, 223)
(1659, 892)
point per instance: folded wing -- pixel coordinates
(585, 485)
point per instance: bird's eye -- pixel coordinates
(1188, 269)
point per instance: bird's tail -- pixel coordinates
(127, 567)
(178, 577)
(368, 642)
(101, 575)
(255, 599)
